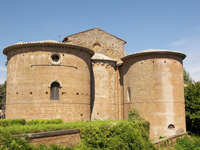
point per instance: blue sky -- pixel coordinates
(144, 24)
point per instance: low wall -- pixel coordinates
(69, 137)
(169, 141)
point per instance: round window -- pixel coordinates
(55, 59)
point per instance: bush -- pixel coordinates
(94, 135)
(117, 135)
(10, 122)
(134, 115)
(13, 143)
(42, 121)
(188, 144)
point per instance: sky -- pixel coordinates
(143, 24)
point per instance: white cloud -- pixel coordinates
(191, 47)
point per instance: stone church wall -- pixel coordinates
(29, 77)
(153, 84)
(99, 41)
(105, 104)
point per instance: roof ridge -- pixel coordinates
(93, 29)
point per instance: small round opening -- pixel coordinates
(55, 58)
(171, 126)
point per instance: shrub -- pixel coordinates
(95, 135)
(11, 143)
(186, 143)
(134, 115)
(42, 121)
(117, 135)
(10, 122)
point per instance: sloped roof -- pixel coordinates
(91, 30)
(154, 52)
(45, 43)
(98, 56)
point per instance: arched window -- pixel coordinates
(55, 87)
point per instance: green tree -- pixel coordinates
(192, 106)
(186, 76)
(2, 93)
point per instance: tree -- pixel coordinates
(192, 106)
(2, 93)
(186, 76)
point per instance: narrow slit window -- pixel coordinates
(55, 88)
(128, 94)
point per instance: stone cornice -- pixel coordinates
(154, 52)
(46, 44)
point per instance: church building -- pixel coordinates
(88, 77)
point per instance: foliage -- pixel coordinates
(94, 135)
(192, 105)
(187, 79)
(13, 143)
(2, 93)
(23, 129)
(42, 121)
(186, 143)
(10, 122)
(134, 115)
(118, 135)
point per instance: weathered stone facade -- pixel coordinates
(88, 77)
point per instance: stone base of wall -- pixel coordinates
(69, 137)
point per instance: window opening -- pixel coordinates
(128, 94)
(171, 126)
(55, 58)
(55, 88)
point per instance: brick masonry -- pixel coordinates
(101, 88)
(69, 137)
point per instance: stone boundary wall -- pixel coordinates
(68, 137)
(169, 141)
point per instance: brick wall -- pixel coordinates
(69, 137)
